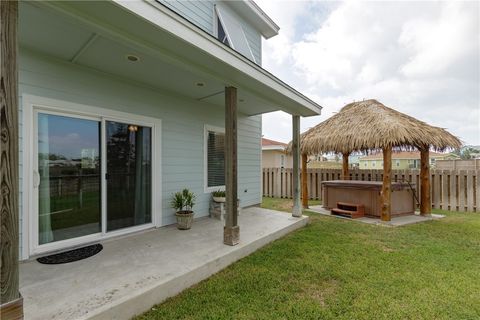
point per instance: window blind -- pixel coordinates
(216, 159)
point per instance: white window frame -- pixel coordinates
(32, 105)
(206, 129)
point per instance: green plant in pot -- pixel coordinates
(183, 202)
(218, 196)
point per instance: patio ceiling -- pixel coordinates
(100, 36)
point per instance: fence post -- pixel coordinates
(470, 197)
(477, 191)
(445, 189)
(461, 191)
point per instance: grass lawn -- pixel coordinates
(340, 269)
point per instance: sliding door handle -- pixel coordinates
(36, 179)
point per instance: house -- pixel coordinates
(122, 103)
(400, 160)
(325, 161)
(274, 155)
(458, 164)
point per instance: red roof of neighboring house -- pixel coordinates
(402, 155)
(268, 142)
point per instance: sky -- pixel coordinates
(420, 58)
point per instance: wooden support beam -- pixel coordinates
(304, 182)
(297, 210)
(425, 202)
(345, 172)
(387, 185)
(231, 231)
(11, 303)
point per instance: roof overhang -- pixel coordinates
(251, 12)
(166, 38)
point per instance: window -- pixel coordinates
(373, 163)
(221, 34)
(282, 161)
(215, 157)
(366, 164)
(397, 163)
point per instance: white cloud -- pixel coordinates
(421, 58)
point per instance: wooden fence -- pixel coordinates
(455, 190)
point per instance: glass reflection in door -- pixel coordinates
(69, 202)
(129, 185)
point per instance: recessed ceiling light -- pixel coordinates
(132, 58)
(200, 84)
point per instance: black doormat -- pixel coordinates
(72, 255)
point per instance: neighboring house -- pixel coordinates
(123, 103)
(325, 161)
(274, 156)
(400, 160)
(458, 164)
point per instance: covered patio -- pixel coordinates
(133, 273)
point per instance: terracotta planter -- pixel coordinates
(219, 199)
(184, 219)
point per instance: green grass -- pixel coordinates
(340, 269)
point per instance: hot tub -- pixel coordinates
(368, 194)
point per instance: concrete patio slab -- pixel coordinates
(395, 222)
(133, 273)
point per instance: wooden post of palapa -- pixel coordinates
(345, 173)
(231, 231)
(387, 184)
(11, 302)
(297, 210)
(304, 181)
(425, 203)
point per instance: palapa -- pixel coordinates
(367, 125)
(370, 125)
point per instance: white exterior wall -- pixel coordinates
(183, 121)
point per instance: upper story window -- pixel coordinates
(221, 35)
(230, 30)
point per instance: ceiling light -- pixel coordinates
(132, 58)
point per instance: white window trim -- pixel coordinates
(32, 104)
(206, 129)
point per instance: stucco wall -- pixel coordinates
(273, 159)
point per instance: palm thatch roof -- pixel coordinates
(367, 125)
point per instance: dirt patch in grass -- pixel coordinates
(319, 292)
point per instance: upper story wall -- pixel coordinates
(202, 13)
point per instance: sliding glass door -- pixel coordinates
(69, 199)
(129, 166)
(89, 184)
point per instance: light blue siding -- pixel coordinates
(183, 122)
(198, 12)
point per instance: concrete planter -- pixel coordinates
(184, 219)
(219, 199)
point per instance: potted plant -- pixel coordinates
(218, 196)
(183, 201)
